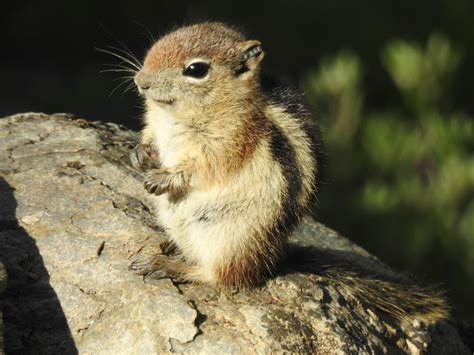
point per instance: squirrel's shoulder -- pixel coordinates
(285, 95)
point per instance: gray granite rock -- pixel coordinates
(73, 214)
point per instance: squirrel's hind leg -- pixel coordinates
(162, 266)
(168, 247)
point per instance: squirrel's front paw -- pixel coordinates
(144, 156)
(160, 181)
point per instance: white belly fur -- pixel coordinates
(254, 194)
(169, 135)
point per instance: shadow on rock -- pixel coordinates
(33, 317)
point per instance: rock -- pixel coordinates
(73, 214)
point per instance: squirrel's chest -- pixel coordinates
(175, 141)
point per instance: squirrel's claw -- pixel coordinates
(159, 181)
(144, 156)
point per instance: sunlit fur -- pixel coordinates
(240, 155)
(244, 154)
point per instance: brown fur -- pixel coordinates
(214, 40)
(256, 265)
(377, 287)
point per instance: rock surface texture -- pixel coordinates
(73, 215)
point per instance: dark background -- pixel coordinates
(48, 63)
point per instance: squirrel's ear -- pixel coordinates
(251, 55)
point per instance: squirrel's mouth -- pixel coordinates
(158, 100)
(164, 101)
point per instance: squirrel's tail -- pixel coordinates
(372, 283)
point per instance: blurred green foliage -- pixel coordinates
(400, 181)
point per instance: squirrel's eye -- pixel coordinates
(196, 70)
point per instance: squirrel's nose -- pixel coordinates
(142, 81)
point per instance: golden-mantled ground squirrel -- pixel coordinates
(233, 160)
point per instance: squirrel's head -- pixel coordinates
(200, 67)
